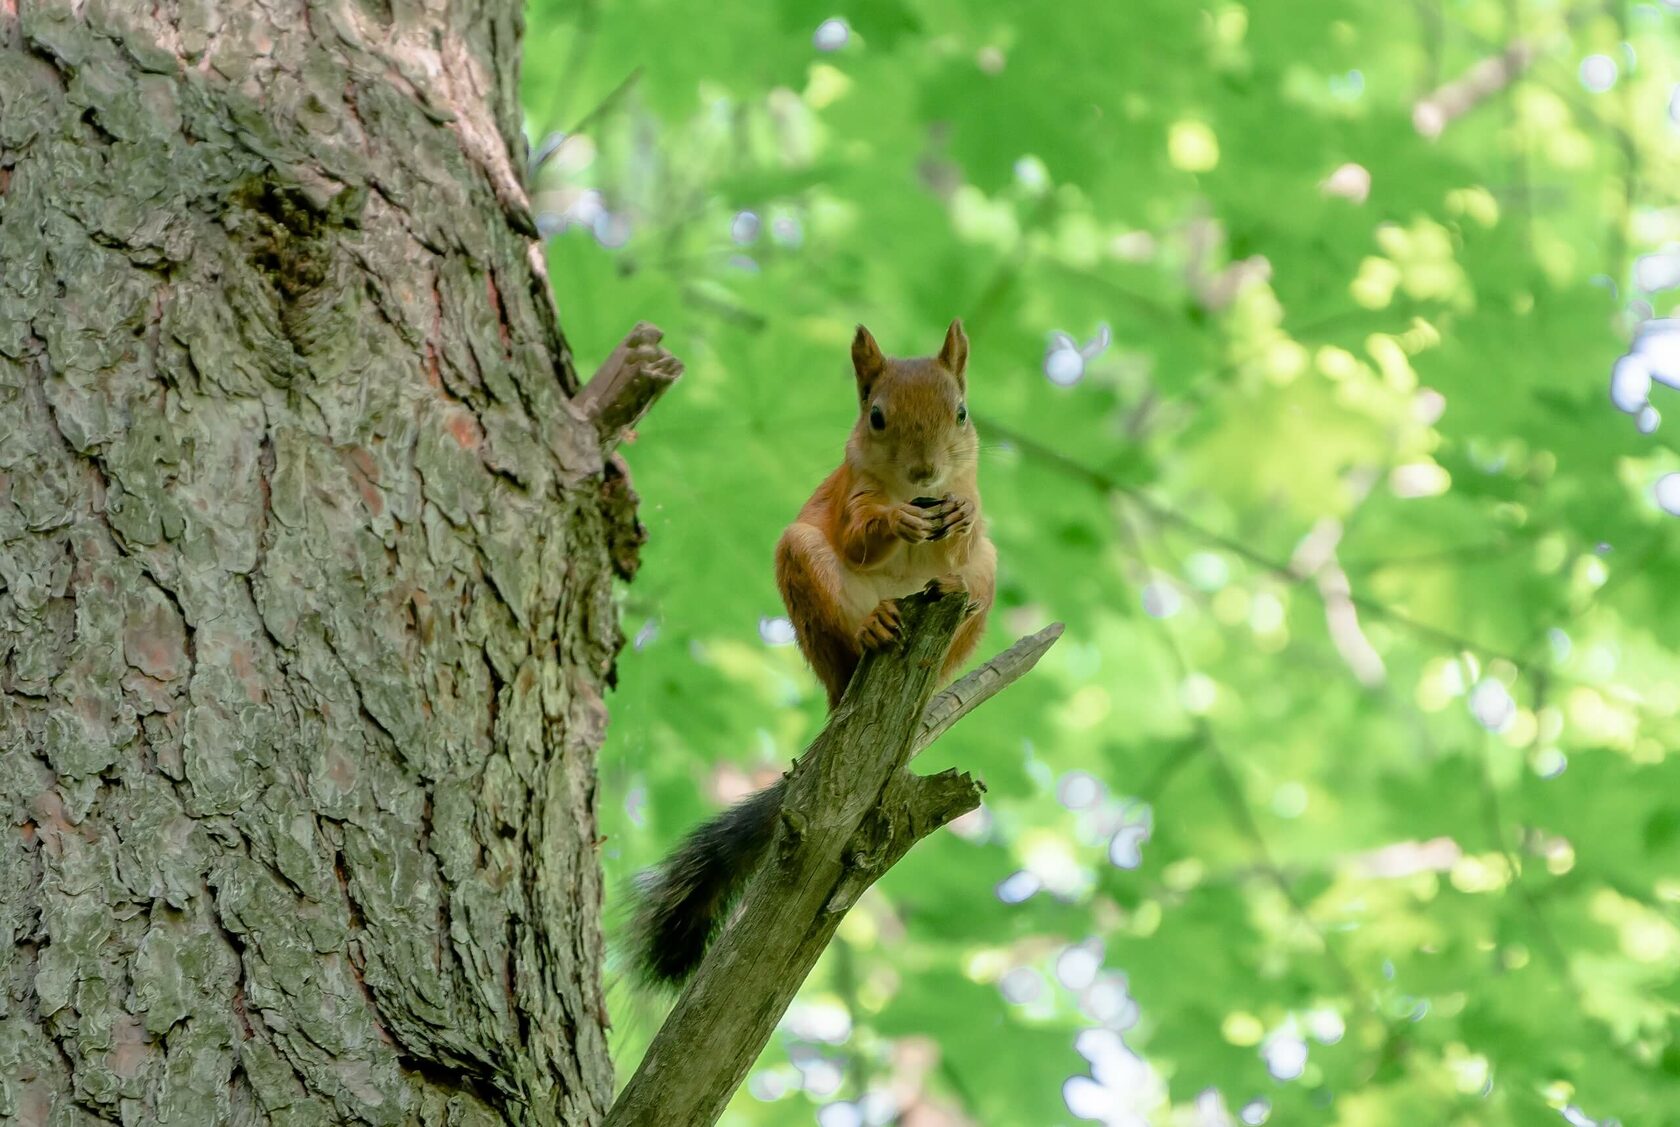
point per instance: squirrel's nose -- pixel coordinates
(921, 475)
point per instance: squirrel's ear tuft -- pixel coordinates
(955, 353)
(867, 360)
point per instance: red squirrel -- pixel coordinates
(901, 511)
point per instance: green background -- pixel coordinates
(1370, 661)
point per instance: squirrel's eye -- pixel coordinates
(876, 419)
(962, 413)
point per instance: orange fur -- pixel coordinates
(860, 543)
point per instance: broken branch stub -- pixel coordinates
(851, 811)
(628, 382)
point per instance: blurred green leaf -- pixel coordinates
(1371, 653)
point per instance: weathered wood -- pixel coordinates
(851, 812)
(627, 384)
(975, 689)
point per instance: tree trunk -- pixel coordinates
(306, 573)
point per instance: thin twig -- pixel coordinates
(1230, 789)
(1164, 515)
(551, 144)
(624, 87)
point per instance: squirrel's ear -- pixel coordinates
(955, 353)
(866, 360)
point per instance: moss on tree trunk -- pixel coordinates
(305, 579)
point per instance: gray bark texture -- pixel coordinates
(306, 567)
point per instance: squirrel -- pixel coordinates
(901, 511)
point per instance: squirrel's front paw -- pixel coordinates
(952, 516)
(882, 628)
(913, 524)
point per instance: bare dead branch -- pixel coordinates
(850, 813)
(963, 697)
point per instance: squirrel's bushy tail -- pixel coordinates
(681, 905)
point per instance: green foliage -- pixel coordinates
(1369, 682)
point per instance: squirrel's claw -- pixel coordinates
(954, 516)
(914, 525)
(882, 628)
(953, 584)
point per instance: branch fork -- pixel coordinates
(851, 812)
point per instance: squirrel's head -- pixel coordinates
(913, 432)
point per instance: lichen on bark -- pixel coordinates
(305, 579)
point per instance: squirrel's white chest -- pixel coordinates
(908, 572)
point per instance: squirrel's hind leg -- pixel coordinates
(810, 576)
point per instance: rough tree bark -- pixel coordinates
(305, 578)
